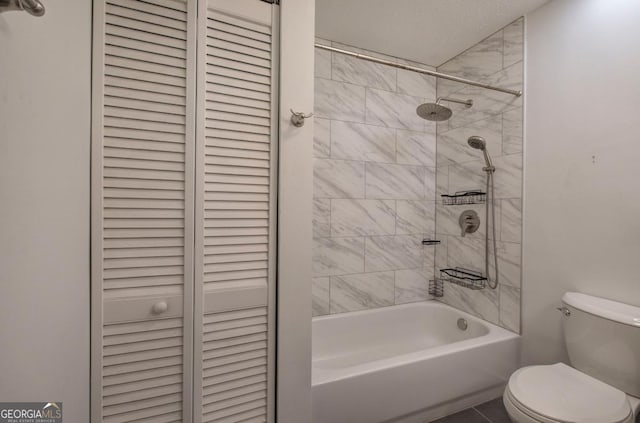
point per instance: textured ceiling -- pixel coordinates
(427, 31)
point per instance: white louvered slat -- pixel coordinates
(116, 28)
(123, 93)
(214, 35)
(144, 231)
(238, 25)
(241, 94)
(236, 208)
(169, 9)
(232, 78)
(130, 19)
(146, 56)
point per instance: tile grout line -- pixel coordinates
(483, 416)
(330, 231)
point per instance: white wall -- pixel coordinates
(44, 206)
(582, 162)
(294, 214)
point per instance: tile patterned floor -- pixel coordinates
(489, 412)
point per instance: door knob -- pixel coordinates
(160, 307)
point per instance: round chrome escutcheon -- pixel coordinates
(462, 324)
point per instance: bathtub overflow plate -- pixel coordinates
(462, 324)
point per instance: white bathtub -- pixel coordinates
(408, 363)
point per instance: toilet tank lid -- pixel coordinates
(608, 309)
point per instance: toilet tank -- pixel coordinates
(603, 339)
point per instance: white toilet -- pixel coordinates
(603, 386)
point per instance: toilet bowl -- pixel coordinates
(602, 385)
(559, 393)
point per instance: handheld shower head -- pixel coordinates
(479, 143)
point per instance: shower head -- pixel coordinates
(477, 142)
(437, 112)
(434, 112)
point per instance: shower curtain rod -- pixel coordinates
(419, 70)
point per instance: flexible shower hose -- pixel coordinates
(493, 226)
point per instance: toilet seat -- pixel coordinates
(561, 394)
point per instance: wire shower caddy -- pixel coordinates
(464, 197)
(459, 276)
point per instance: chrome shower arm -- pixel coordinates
(467, 103)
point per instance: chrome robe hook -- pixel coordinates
(297, 118)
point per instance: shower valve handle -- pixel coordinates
(469, 222)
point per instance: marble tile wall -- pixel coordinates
(498, 118)
(374, 184)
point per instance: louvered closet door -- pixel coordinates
(142, 210)
(235, 211)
